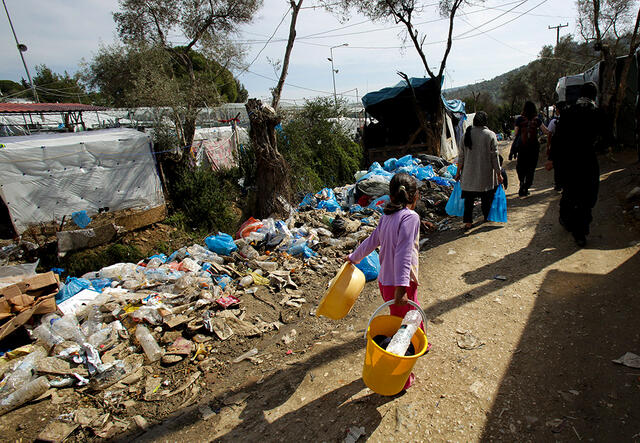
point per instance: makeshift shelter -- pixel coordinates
(396, 120)
(47, 176)
(70, 116)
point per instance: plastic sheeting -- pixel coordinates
(45, 177)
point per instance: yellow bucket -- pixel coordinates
(383, 372)
(343, 291)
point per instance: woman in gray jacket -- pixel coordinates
(478, 167)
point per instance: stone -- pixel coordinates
(140, 422)
(171, 359)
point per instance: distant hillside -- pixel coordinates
(490, 88)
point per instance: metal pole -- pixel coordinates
(33, 88)
(333, 75)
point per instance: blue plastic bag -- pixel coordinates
(390, 164)
(100, 283)
(161, 257)
(453, 170)
(442, 181)
(301, 249)
(71, 287)
(424, 173)
(221, 244)
(330, 205)
(308, 200)
(374, 166)
(355, 208)
(370, 266)
(455, 205)
(407, 160)
(81, 219)
(379, 203)
(498, 211)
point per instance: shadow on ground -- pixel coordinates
(561, 384)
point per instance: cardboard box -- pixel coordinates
(32, 296)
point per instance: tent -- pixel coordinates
(47, 176)
(393, 108)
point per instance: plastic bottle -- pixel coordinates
(98, 338)
(149, 345)
(154, 263)
(46, 335)
(24, 394)
(67, 327)
(94, 320)
(401, 339)
(23, 374)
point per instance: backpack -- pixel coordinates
(528, 131)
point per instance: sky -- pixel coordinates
(490, 37)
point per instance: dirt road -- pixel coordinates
(546, 337)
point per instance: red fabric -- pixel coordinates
(388, 293)
(364, 201)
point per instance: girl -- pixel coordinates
(527, 126)
(397, 234)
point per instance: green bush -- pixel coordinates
(204, 198)
(319, 151)
(81, 262)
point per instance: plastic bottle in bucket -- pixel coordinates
(401, 339)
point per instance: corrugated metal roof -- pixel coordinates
(20, 108)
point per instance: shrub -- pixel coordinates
(319, 151)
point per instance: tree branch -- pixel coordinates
(452, 15)
(295, 9)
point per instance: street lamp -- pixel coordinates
(333, 72)
(21, 48)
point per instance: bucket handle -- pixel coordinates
(389, 303)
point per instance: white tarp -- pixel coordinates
(47, 176)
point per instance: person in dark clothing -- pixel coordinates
(503, 173)
(550, 137)
(528, 146)
(574, 151)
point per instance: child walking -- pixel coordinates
(397, 234)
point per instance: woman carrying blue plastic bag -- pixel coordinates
(478, 168)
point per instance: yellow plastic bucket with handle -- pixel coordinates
(383, 372)
(343, 291)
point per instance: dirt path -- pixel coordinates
(543, 372)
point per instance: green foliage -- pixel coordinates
(54, 88)
(9, 87)
(81, 262)
(204, 200)
(319, 151)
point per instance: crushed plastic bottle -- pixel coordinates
(94, 320)
(201, 253)
(46, 335)
(23, 373)
(149, 344)
(25, 393)
(67, 327)
(100, 337)
(401, 339)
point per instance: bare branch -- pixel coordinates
(295, 9)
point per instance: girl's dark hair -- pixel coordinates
(480, 119)
(402, 190)
(529, 110)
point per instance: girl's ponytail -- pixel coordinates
(402, 190)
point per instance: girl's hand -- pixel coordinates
(346, 258)
(400, 296)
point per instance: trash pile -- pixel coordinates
(109, 330)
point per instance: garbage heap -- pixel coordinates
(108, 329)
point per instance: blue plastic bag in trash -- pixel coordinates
(81, 219)
(308, 200)
(220, 244)
(301, 249)
(453, 170)
(100, 283)
(331, 205)
(379, 203)
(455, 205)
(498, 211)
(71, 287)
(424, 173)
(407, 160)
(370, 266)
(390, 164)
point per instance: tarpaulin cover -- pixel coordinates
(456, 105)
(45, 177)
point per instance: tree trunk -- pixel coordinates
(272, 174)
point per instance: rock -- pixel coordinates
(170, 337)
(469, 341)
(86, 416)
(140, 422)
(475, 388)
(171, 359)
(206, 412)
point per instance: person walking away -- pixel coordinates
(478, 168)
(552, 130)
(527, 126)
(397, 235)
(574, 151)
